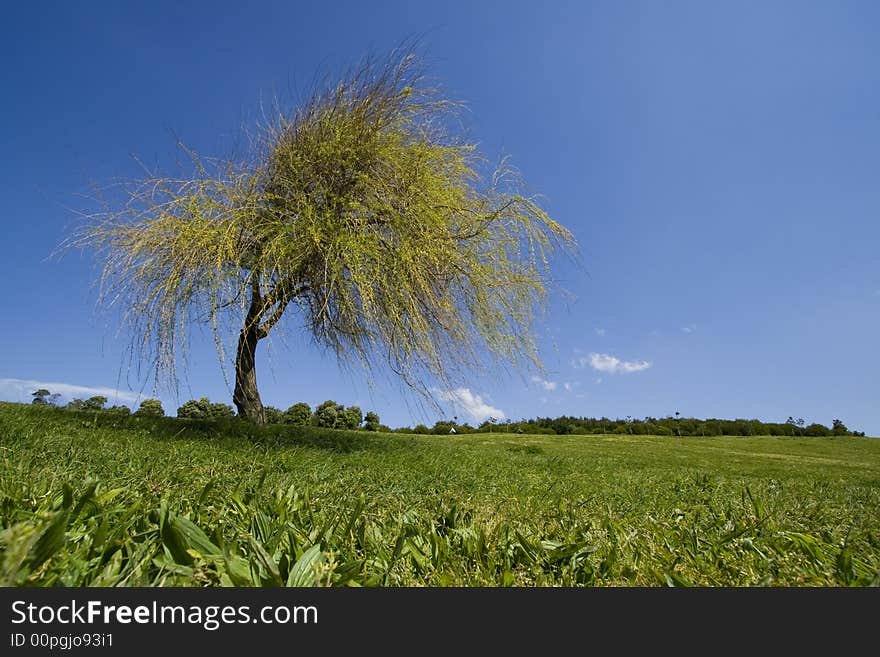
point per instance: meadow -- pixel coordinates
(93, 499)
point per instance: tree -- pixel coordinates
(817, 430)
(40, 397)
(194, 410)
(329, 415)
(204, 409)
(219, 409)
(150, 408)
(838, 428)
(300, 414)
(273, 415)
(95, 403)
(43, 397)
(371, 421)
(352, 417)
(76, 404)
(363, 214)
(119, 410)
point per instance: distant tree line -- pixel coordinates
(667, 426)
(332, 415)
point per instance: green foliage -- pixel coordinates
(76, 405)
(817, 430)
(329, 415)
(386, 229)
(41, 397)
(300, 414)
(204, 409)
(150, 408)
(351, 418)
(273, 415)
(152, 501)
(371, 421)
(119, 410)
(95, 403)
(670, 426)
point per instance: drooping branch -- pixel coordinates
(402, 247)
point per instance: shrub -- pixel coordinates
(119, 410)
(273, 415)
(371, 421)
(95, 403)
(351, 418)
(329, 415)
(40, 397)
(150, 408)
(817, 430)
(300, 414)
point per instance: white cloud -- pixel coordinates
(21, 389)
(547, 385)
(597, 380)
(599, 331)
(473, 405)
(690, 328)
(567, 386)
(613, 365)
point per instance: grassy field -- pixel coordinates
(97, 500)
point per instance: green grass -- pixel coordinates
(94, 500)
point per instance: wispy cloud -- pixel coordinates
(567, 386)
(597, 380)
(611, 364)
(599, 331)
(473, 405)
(544, 383)
(21, 389)
(690, 328)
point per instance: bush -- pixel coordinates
(329, 415)
(95, 403)
(194, 410)
(150, 408)
(273, 415)
(371, 421)
(351, 418)
(119, 410)
(42, 397)
(300, 414)
(204, 409)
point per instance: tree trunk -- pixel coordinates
(246, 396)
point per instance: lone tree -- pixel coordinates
(362, 214)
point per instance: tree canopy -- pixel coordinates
(362, 215)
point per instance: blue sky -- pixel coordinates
(717, 161)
